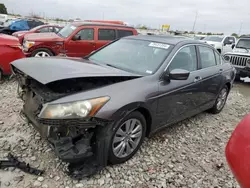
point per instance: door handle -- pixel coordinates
(197, 78)
(221, 70)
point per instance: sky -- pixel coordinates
(225, 16)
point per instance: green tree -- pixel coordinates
(143, 27)
(235, 35)
(3, 9)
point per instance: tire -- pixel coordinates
(218, 108)
(42, 52)
(237, 77)
(125, 141)
(1, 76)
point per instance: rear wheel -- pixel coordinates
(42, 53)
(220, 101)
(127, 138)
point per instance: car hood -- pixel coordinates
(47, 70)
(43, 37)
(238, 53)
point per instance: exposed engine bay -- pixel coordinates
(81, 142)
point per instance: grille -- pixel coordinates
(238, 60)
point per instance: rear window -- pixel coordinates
(106, 34)
(124, 33)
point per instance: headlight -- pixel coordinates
(29, 44)
(248, 61)
(226, 57)
(78, 109)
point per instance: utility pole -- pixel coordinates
(240, 28)
(196, 15)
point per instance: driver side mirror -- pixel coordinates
(76, 37)
(177, 74)
(37, 31)
(233, 45)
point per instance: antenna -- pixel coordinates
(240, 27)
(196, 15)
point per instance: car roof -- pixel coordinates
(79, 23)
(174, 40)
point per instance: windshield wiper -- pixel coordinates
(113, 66)
(60, 35)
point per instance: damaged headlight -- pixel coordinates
(28, 44)
(78, 109)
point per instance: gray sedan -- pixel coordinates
(100, 108)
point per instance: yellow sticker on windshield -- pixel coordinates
(159, 45)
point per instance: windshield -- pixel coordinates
(67, 31)
(243, 43)
(136, 56)
(213, 38)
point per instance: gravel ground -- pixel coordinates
(187, 154)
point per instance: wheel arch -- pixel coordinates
(40, 48)
(136, 106)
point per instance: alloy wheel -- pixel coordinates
(221, 99)
(42, 54)
(127, 138)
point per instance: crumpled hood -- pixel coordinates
(47, 70)
(42, 37)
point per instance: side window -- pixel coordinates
(232, 39)
(218, 58)
(124, 33)
(106, 34)
(44, 30)
(207, 57)
(185, 59)
(85, 34)
(226, 41)
(56, 29)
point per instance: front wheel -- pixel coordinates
(220, 101)
(42, 53)
(127, 138)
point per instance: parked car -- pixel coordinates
(240, 57)
(10, 50)
(75, 40)
(221, 43)
(238, 152)
(20, 25)
(102, 107)
(39, 29)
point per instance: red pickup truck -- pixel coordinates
(77, 39)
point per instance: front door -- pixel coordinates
(81, 44)
(227, 44)
(179, 99)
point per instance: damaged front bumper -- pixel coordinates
(82, 142)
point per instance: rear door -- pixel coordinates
(83, 44)
(104, 36)
(211, 71)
